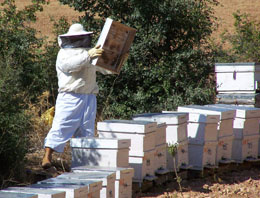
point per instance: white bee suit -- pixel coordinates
(76, 105)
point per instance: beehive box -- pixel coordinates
(237, 77)
(195, 155)
(75, 191)
(141, 133)
(108, 180)
(210, 154)
(123, 183)
(160, 135)
(94, 186)
(241, 110)
(42, 193)
(181, 158)
(160, 158)
(144, 165)
(16, 195)
(225, 126)
(100, 151)
(116, 39)
(224, 149)
(176, 124)
(203, 127)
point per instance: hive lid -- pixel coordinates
(100, 143)
(241, 111)
(168, 117)
(129, 126)
(223, 112)
(54, 193)
(16, 195)
(120, 172)
(238, 67)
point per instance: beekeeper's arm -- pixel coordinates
(72, 60)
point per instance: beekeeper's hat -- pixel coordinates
(76, 29)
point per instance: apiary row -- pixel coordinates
(81, 182)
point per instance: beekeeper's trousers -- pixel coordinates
(74, 117)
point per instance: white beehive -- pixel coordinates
(225, 126)
(94, 186)
(203, 127)
(141, 133)
(100, 151)
(181, 159)
(108, 180)
(224, 149)
(144, 165)
(72, 191)
(16, 195)
(160, 135)
(237, 77)
(210, 154)
(42, 193)
(160, 158)
(176, 124)
(246, 148)
(241, 110)
(123, 183)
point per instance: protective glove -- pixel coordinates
(95, 52)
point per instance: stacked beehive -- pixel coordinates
(246, 132)
(142, 150)
(110, 152)
(238, 83)
(225, 128)
(175, 133)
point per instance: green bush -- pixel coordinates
(21, 81)
(169, 62)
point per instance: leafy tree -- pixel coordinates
(169, 63)
(21, 80)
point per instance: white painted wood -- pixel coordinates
(250, 146)
(140, 142)
(210, 154)
(237, 76)
(248, 126)
(127, 126)
(203, 118)
(168, 117)
(72, 191)
(93, 185)
(224, 113)
(100, 143)
(99, 157)
(143, 165)
(16, 195)
(224, 149)
(176, 133)
(160, 157)
(242, 111)
(160, 135)
(123, 183)
(42, 193)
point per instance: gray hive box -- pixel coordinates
(237, 77)
(71, 190)
(123, 183)
(16, 195)
(100, 151)
(42, 193)
(94, 186)
(250, 99)
(141, 133)
(107, 178)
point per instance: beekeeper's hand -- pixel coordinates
(95, 52)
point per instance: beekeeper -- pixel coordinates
(75, 109)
